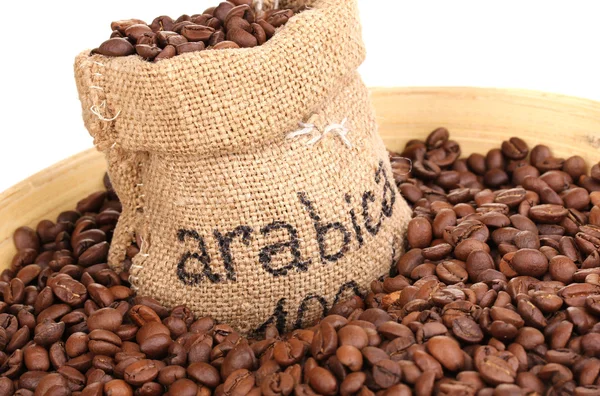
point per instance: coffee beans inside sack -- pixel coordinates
(253, 178)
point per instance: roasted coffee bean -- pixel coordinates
(147, 52)
(529, 262)
(426, 169)
(237, 22)
(117, 387)
(551, 214)
(197, 32)
(467, 330)
(115, 47)
(106, 319)
(287, 353)
(141, 372)
(562, 269)
(190, 47)
(167, 52)
(511, 197)
(240, 357)
(447, 351)
(437, 138)
(495, 177)
(69, 290)
(419, 232)
(515, 148)
(322, 381)
(26, 238)
(575, 166)
(240, 382)
(324, 342)
(48, 332)
(575, 294)
(495, 370)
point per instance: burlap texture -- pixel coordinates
(238, 221)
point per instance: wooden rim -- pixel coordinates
(478, 118)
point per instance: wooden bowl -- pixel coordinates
(478, 118)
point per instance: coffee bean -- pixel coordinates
(147, 52)
(515, 148)
(106, 319)
(427, 363)
(48, 332)
(279, 18)
(36, 358)
(240, 357)
(242, 38)
(529, 262)
(117, 387)
(100, 294)
(167, 52)
(551, 214)
(386, 373)
(595, 172)
(190, 47)
(278, 384)
(495, 371)
(26, 238)
(77, 344)
(575, 166)
(447, 351)
(324, 342)
(437, 138)
(575, 294)
(511, 197)
(419, 232)
(197, 32)
(288, 352)
(467, 330)
(322, 381)
(115, 47)
(240, 382)
(141, 372)
(6, 386)
(495, 177)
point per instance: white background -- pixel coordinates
(534, 44)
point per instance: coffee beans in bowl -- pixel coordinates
(487, 300)
(230, 25)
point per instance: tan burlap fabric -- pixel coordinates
(240, 220)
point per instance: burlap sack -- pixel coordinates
(244, 214)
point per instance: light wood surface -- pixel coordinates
(478, 118)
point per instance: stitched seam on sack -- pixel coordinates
(139, 226)
(103, 117)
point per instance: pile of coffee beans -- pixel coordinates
(497, 294)
(232, 24)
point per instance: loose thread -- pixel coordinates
(306, 129)
(96, 111)
(90, 61)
